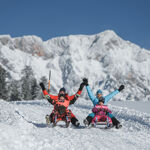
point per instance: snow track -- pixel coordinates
(22, 127)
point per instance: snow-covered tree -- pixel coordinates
(15, 93)
(26, 83)
(3, 84)
(35, 89)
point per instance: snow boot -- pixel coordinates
(47, 119)
(87, 121)
(75, 121)
(93, 125)
(67, 124)
(118, 126)
(116, 123)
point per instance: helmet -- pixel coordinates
(62, 89)
(99, 92)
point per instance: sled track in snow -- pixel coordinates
(26, 125)
(132, 116)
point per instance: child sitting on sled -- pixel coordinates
(100, 110)
(95, 101)
(61, 103)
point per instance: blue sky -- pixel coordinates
(130, 19)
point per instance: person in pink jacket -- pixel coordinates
(100, 110)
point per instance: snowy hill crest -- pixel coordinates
(105, 59)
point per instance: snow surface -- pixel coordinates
(23, 127)
(135, 105)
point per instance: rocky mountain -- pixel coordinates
(105, 59)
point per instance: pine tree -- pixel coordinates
(15, 91)
(34, 89)
(3, 84)
(26, 83)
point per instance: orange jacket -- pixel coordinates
(54, 100)
(55, 97)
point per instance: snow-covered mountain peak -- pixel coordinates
(108, 34)
(105, 59)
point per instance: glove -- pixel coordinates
(85, 81)
(81, 86)
(121, 88)
(42, 86)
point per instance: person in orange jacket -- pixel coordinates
(59, 102)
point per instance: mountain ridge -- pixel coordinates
(104, 58)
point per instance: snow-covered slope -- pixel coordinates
(22, 127)
(105, 59)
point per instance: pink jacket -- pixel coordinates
(100, 110)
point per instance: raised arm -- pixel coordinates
(109, 96)
(90, 93)
(46, 95)
(76, 96)
(112, 94)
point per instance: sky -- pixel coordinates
(130, 19)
